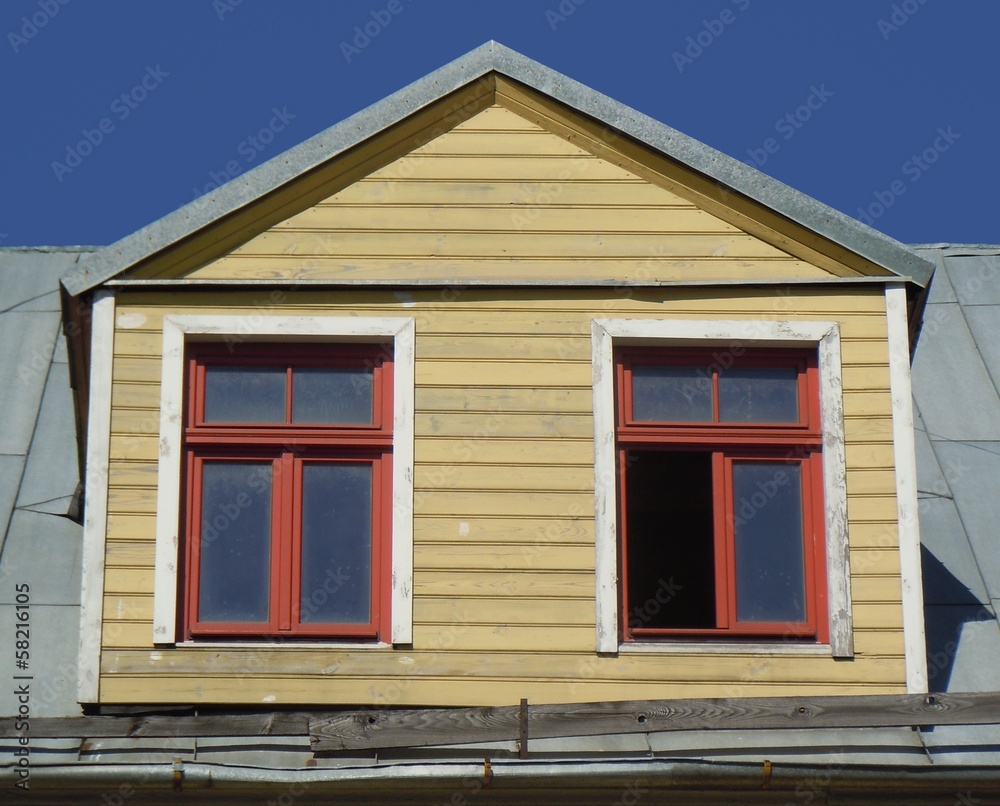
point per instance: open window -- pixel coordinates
(720, 503)
(288, 463)
(720, 494)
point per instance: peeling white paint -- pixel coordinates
(177, 328)
(127, 321)
(823, 336)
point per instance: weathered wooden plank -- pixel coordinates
(511, 218)
(131, 527)
(870, 455)
(272, 723)
(880, 508)
(870, 482)
(503, 373)
(568, 505)
(512, 476)
(132, 474)
(570, 347)
(382, 728)
(444, 659)
(507, 610)
(507, 530)
(460, 244)
(128, 580)
(865, 403)
(520, 399)
(533, 194)
(872, 588)
(376, 728)
(486, 583)
(790, 302)
(136, 553)
(874, 535)
(554, 450)
(534, 142)
(486, 425)
(457, 271)
(540, 555)
(480, 167)
(877, 561)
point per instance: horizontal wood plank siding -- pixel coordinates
(504, 520)
(500, 197)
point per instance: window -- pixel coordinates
(288, 462)
(723, 454)
(720, 494)
(339, 449)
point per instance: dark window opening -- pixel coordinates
(671, 556)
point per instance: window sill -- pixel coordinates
(296, 645)
(721, 648)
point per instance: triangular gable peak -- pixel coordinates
(475, 175)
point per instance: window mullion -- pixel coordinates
(725, 575)
(283, 584)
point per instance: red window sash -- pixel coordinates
(799, 442)
(280, 443)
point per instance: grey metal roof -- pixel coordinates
(39, 545)
(494, 57)
(956, 392)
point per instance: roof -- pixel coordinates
(956, 378)
(38, 468)
(493, 57)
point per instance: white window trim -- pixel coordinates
(825, 337)
(179, 328)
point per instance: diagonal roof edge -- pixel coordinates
(494, 57)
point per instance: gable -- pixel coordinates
(500, 198)
(224, 219)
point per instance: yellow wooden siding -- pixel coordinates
(497, 197)
(503, 526)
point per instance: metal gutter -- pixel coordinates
(514, 775)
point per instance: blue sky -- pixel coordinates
(887, 110)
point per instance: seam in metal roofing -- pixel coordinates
(489, 58)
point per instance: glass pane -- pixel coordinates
(672, 394)
(336, 543)
(759, 395)
(671, 551)
(244, 394)
(770, 583)
(332, 395)
(233, 578)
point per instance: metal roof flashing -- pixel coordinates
(493, 57)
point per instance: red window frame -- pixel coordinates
(289, 447)
(792, 443)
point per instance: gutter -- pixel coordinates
(613, 777)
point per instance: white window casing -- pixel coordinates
(177, 331)
(821, 336)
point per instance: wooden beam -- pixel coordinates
(274, 723)
(415, 728)
(374, 728)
